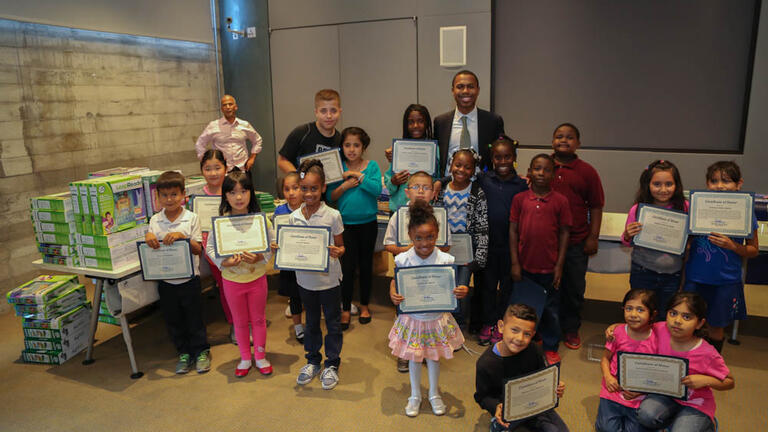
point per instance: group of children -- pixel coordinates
(540, 229)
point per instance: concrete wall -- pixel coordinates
(75, 101)
(135, 17)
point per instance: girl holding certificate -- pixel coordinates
(213, 165)
(660, 185)
(289, 189)
(680, 336)
(467, 212)
(320, 290)
(420, 336)
(244, 277)
(714, 264)
(617, 411)
(356, 199)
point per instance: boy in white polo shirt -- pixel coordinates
(180, 299)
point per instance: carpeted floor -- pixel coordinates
(371, 394)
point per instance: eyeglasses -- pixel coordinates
(424, 188)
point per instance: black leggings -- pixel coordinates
(359, 242)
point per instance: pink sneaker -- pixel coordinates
(484, 337)
(552, 357)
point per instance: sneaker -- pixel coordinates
(329, 377)
(299, 329)
(203, 362)
(402, 365)
(484, 337)
(552, 357)
(288, 313)
(307, 374)
(182, 366)
(414, 404)
(572, 341)
(438, 406)
(495, 335)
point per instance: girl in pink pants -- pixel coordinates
(243, 275)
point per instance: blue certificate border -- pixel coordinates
(740, 234)
(618, 369)
(312, 227)
(434, 153)
(557, 399)
(442, 231)
(191, 204)
(399, 270)
(266, 231)
(313, 156)
(681, 247)
(141, 261)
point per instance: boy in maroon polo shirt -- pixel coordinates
(580, 183)
(539, 222)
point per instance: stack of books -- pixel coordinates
(55, 316)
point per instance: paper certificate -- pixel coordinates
(235, 234)
(531, 394)
(647, 373)
(663, 229)
(206, 207)
(426, 288)
(303, 248)
(461, 248)
(283, 219)
(728, 213)
(414, 155)
(167, 262)
(402, 226)
(332, 166)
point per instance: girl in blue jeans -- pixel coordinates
(661, 272)
(467, 212)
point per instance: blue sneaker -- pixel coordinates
(307, 374)
(329, 378)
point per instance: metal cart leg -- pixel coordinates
(735, 334)
(135, 373)
(96, 304)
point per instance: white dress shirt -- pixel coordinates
(230, 139)
(453, 144)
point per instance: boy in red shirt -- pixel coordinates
(539, 224)
(580, 183)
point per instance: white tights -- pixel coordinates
(414, 370)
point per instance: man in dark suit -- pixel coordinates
(467, 125)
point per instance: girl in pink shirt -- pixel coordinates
(617, 411)
(680, 336)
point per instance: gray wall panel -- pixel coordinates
(303, 62)
(378, 79)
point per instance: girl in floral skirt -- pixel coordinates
(419, 336)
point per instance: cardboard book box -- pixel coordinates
(51, 216)
(56, 249)
(56, 228)
(105, 241)
(148, 180)
(56, 238)
(70, 299)
(59, 326)
(44, 357)
(109, 258)
(61, 202)
(69, 261)
(42, 289)
(117, 203)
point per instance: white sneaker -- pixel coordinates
(288, 313)
(299, 329)
(414, 404)
(307, 374)
(329, 378)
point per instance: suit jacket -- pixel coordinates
(489, 127)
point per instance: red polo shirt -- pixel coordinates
(538, 222)
(581, 185)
